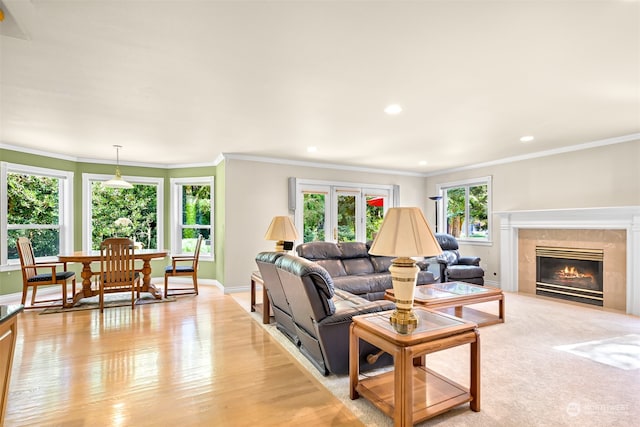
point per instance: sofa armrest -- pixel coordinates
(469, 260)
(349, 305)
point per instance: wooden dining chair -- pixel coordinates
(36, 274)
(191, 269)
(117, 269)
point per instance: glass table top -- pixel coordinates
(460, 288)
(428, 321)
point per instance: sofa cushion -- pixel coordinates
(381, 264)
(353, 250)
(315, 251)
(363, 284)
(333, 266)
(358, 266)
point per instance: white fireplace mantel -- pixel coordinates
(625, 217)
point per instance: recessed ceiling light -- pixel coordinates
(312, 149)
(393, 109)
(527, 138)
(422, 163)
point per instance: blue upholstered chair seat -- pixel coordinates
(179, 269)
(63, 275)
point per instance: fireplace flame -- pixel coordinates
(569, 272)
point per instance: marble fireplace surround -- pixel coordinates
(625, 218)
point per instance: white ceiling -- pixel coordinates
(180, 82)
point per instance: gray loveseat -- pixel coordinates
(354, 270)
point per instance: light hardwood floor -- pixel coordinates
(199, 361)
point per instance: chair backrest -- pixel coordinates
(117, 267)
(196, 252)
(25, 250)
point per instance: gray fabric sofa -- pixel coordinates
(319, 315)
(354, 270)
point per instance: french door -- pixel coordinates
(340, 213)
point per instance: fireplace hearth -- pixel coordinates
(570, 274)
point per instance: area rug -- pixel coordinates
(621, 352)
(111, 300)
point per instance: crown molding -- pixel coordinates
(545, 153)
(236, 156)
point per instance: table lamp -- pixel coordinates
(281, 229)
(404, 233)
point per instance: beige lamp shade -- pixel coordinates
(405, 232)
(281, 230)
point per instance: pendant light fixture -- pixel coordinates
(117, 181)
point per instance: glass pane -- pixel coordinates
(375, 212)
(196, 204)
(455, 211)
(124, 213)
(32, 199)
(45, 242)
(313, 216)
(346, 218)
(478, 206)
(190, 238)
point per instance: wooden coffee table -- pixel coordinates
(411, 392)
(455, 297)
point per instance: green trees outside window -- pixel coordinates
(138, 205)
(466, 209)
(314, 218)
(196, 217)
(33, 211)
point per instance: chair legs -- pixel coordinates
(194, 277)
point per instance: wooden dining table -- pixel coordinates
(86, 258)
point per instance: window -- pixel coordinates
(192, 215)
(339, 212)
(35, 203)
(467, 209)
(134, 213)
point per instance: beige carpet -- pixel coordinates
(532, 372)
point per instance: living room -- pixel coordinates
(571, 170)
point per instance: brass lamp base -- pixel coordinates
(404, 321)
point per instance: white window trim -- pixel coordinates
(441, 188)
(329, 188)
(176, 213)
(65, 204)
(87, 178)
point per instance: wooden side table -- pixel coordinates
(412, 393)
(265, 306)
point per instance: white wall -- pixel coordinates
(257, 191)
(598, 177)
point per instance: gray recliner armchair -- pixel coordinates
(456, 268)
(322, 316)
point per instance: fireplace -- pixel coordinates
(570, 274)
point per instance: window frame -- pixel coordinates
(442, 207)
(389, 192)
(175, 215)
(65, 209)
(87, 227)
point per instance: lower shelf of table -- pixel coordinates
(479, 317)
(433, 394)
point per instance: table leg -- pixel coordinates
(474, 388)
(403, 388)
(501, 308)
(266, 306)
(147, 286)
(253, 294)
(354, 362)
(86, 291)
